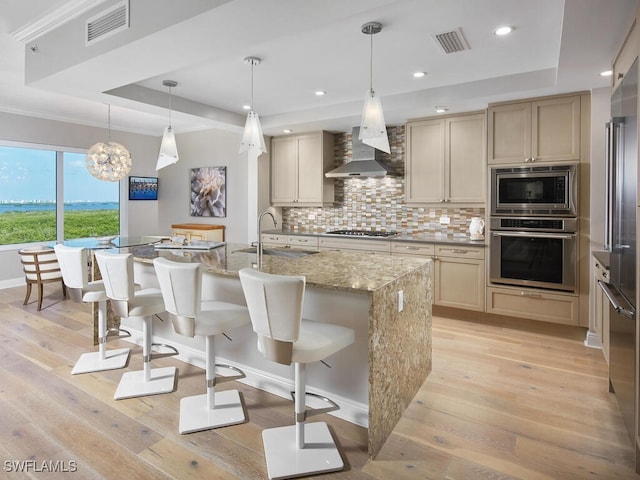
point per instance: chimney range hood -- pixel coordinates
(366, 161)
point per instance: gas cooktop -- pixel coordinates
(363, 233)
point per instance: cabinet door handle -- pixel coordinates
(530, 294)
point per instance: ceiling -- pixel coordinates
(47, 70)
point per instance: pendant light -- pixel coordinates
(373, 130)
(252, 138)
(108, 161)
(168, 149)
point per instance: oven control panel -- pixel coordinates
(565, 225)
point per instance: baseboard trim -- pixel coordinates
(351, 411)
(592, 340)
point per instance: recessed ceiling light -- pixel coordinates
(440, 109)
(246, 107)
(503, 31)
(287, 130)
(320, 93)
(606, 73)
(419, 74)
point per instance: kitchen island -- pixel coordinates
(386, 300)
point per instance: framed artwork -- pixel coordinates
(208, 192)
(143, 188)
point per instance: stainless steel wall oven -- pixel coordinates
(534, 252)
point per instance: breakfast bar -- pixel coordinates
(385, 299)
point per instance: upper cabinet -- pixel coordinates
(298, 164)
(628, 53)
(446, 160)
(540, 131)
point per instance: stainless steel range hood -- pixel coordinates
(366, 161)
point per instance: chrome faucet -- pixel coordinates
(259, 246)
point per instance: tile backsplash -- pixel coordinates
(377, 203)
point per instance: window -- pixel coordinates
(41, 187)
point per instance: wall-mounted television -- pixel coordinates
(143, 188)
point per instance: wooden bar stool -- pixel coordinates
(74, 262)
(40, 266)
(181, 286)
(275, 305)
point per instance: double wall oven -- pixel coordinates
(533, 227)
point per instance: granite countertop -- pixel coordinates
(420, 238)
(346, 271)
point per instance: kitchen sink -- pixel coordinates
(279, 252)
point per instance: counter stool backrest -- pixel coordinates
(181, 286)
(117, 273)
(275, 306)
(74, 265)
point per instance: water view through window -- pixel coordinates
(28, 197)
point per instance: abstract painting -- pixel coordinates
(208, 192)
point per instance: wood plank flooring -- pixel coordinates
(506, 399)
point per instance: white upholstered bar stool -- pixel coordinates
(117, 273)
(74, 263)
(275, 305)
(181, 286)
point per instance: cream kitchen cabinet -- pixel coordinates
(301, 242)
(362, 245)
(601, 306)
(445, 160)
(298, 164)
(546, 130)
(459, 277)
(533, 304)
(197, 231)
(628, 53)
(459, 274)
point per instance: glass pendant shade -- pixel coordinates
(252, 138)
(373, 131)
(168, 149)
(108, 161)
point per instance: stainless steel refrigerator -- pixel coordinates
(622, 171)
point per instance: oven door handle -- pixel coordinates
(534, 235)
(614, 302)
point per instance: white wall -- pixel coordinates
(141, 218)
(214, 148)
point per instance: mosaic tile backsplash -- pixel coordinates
(377, 203)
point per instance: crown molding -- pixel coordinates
(51, 21)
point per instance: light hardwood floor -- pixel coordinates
(520, 400)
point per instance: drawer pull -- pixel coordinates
(412, 248)
(455, 250)
(302, 240)
(530, 294)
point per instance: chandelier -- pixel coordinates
(108, 161)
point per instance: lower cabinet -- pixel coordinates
(301, 242)
(601, 307)
(196, 231)
(535, 305)
(361, 245)
(459, 274)
(459, 277)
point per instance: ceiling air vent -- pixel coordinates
(452, 41)
(108, 22)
